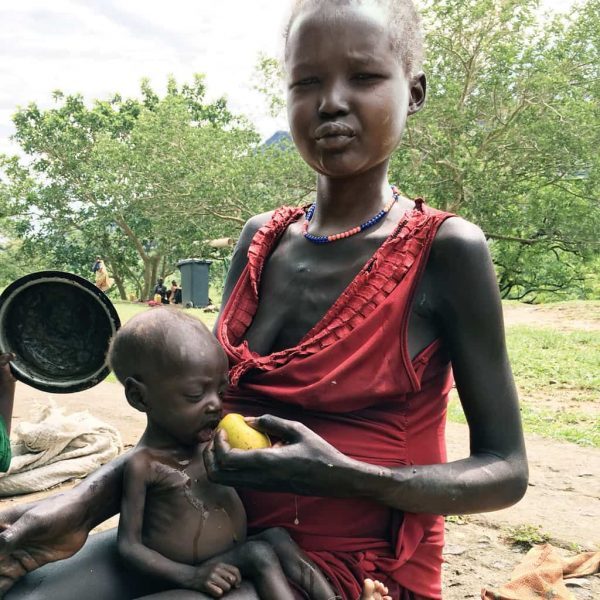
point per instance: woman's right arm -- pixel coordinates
(55, 528)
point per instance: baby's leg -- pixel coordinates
(296, 565)
(258, 562)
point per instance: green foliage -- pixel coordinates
(526, 536)
(269, 82)
(509, 136)
(557, 376)
(141, 182)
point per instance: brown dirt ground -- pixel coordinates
(565, 316)
(563, 499)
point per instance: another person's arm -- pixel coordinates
(55, 528)
(494, 476)
(7, 397)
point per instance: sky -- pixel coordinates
(99, 47)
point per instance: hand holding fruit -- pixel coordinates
(299, 462)
(241, 435)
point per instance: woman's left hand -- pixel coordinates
(300, 461)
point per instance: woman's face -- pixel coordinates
(348, 95)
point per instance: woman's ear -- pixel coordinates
(135, 392)
(418, 93)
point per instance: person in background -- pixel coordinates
(174, 293)
(103, 281)
(97, 263)
(159, 293)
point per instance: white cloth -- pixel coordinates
(53, 448)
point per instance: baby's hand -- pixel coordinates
(215, 579)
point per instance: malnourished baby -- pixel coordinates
(175, 523)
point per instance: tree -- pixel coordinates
(509, 136)
(103, 180)
(141, 182)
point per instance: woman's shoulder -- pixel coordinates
(278, 218)
(460, 264)
(253, 224)
(457, 238)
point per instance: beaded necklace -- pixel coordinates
(325, 239)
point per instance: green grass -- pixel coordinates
(558, 379)
(526, 536)
(568, 425)
(546, 359)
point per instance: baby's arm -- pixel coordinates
(214, 579)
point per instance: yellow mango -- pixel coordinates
(241, 435)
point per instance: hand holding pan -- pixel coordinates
(58, 325)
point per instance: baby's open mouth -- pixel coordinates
(208, 430)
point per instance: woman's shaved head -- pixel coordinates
(404, 23)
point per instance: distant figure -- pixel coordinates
(159, 293)
(174, 294)
(97, 264)
(103, 281)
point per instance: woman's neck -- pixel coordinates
(345, 203)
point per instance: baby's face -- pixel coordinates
(186, 401)
(348, 95)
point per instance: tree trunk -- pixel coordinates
(150, 274)
(120, 286)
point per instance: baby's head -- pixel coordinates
(402, 18)
(353, 79)
(174, 370)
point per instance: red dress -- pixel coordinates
(351, 380)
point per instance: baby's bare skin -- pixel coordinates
(176, 524)
(186, 517)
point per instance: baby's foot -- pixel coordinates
(374, 590)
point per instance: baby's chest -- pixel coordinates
(189, 518)
(187, 484)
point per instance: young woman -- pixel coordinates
(343, 323)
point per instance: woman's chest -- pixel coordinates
(300, 284)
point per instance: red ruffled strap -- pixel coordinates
(243, 302)
(264, 240)
(380, 276)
